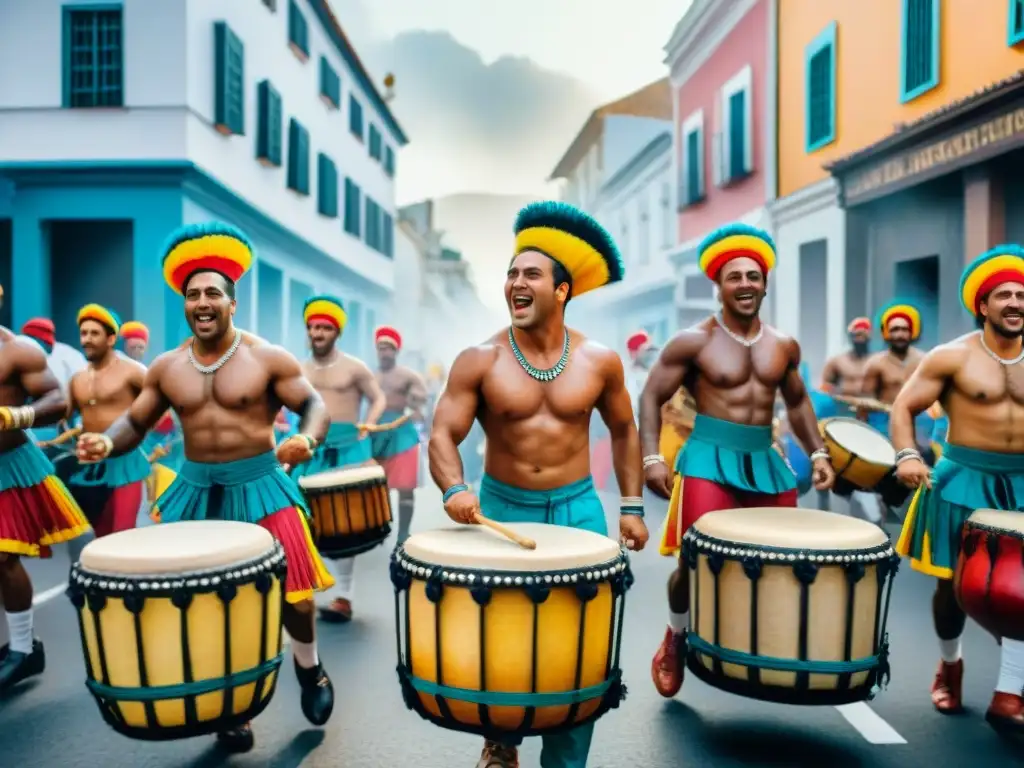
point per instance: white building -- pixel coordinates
(138, 117)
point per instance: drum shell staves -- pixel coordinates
(989, 578)
(350, 519)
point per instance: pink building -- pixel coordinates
(722, 88)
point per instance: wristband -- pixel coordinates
(18, 417)
(631, 505)
(908, 454)
(821, 453)
(654, 458)
(108, 445)
(457, 488)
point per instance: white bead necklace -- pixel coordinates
(216, 366)
(735, 336)
(996, 357)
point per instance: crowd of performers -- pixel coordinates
(531, 390)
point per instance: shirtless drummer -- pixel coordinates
(398, 450)
(344, 382)
(226, 387)
(735, 366)
(533, 388)
(110, 492)
(979, 378)
(844, 373)
(887, 371)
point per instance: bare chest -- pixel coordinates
(338, 382)
(238, 386)
(102, 388)
(393, 383)
(986, 381)
(893, 375)
(726, 364)
(850, 370)
(511, 393)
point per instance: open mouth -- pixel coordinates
(745, 299)
(205, 321)
(521, 303)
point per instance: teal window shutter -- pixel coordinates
(389, 161)
(369, 230)
(93, 60)
(298, 31)
(327, 186)
(820, 83)
(355, 117)
(330, 84)
(737, 134)
(229, 83)
(919, 56)
(376, 143)
(298, 157)
(388, 236)
(269, 125)
(694, 185)
(1015, 24)
(352, 208)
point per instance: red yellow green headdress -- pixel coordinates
(133, 329)
(1002, 264)
(731, 242)
(899, 308)
(215, 247)
(572, 238)
(328, 309)
(388, 335)
(101, 315)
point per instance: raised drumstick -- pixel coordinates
(386, 427)
(62, 438)
(505, 531)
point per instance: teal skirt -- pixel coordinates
(341, 448)
(24, 467)
(963, 480)
(575, 506)
(116, 472)
(735, 455)
(394, 441)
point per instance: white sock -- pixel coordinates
(344, 577)
(305, 654)
(679, 622)
(20, 627)
(950, 650)
(1011, 668)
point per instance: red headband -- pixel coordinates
(859, 324)
(387, 333)
(897, 316)
(40, 328)
(716, 265)
(996, 279)
(637, 341)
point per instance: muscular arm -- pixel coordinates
(293, 389)
(369, 388)
(48, 399)
(663, 381)
(616, 409)
(830, 375)
(872, 383)
(799, 411)
(416, 395)
(131, 427)
(454, 415)
(922, 389)
(72, 408)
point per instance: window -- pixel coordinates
(389, 161)
(820, 84)
(372, 232)
(93, 58)
(298, 157)
(1015, 30)
(298, 32)
(691, 167)
(736, 141)
(667, 235)
(353, 208)
(644, 231)
(269, 124)
(376, 144)
(330, 84)
(355, 117)
(327, 186)
(388, 236)
(229, 82)
(919, 70)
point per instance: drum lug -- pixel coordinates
(537, 593)
(434, 587)
(690, 553)
(181, 600)
(76, 595)
(226, 592)
(854, 571)
(716, 561)
(481, 595)
(134, 603)
(400, 578)
(805, 571)
(264, 582)
(752, 567)
(586, 591)
(970, 545)
(97, 601)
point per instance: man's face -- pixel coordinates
(387, 354)
(1003, 309)
(97, 340)
(208, 308)
(859, 339)
(742, 287)
(898, 334)
(135, 348)
(530, 290)
(322, 337)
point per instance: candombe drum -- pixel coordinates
(351, 509)
(989, 576)
(789, 605)
(864, 460)
(497, 640)
(180, 626)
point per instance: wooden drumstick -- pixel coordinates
(386, 427)
(505, 531)
(71, 434)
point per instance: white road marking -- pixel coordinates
(48, 595)
(870, 724)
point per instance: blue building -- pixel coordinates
(137, 117)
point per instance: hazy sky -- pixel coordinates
(491, 93)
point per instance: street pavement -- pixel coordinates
(53, 721)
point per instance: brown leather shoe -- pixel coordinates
(498, 756)
(338, 612)
(947, 690)
(667, 666)
(1006, 713)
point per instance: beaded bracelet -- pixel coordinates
(631, 505)
(457, 488)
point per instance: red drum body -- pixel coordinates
(989, 577)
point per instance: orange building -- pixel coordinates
(899, 125)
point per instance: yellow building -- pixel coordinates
(899, 129)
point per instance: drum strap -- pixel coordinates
(511, 699)
(184, 690)
(729, 656)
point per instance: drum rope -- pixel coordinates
(812, 666)
(510, 698)
(182, 690)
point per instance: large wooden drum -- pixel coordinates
(181, 626)
(789, 605)
(351, 509)
(498, 640)
(989, 577)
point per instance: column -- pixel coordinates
(984, 211)
(29, 292)
(158, 213)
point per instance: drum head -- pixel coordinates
(864, 441)
(474, 546)
(340, 478)
(790, 528)
(177, 548)
(1011, 522)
